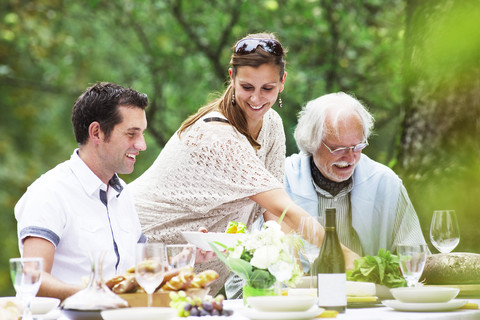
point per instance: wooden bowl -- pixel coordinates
(161, 298)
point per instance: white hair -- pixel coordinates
(309, 132)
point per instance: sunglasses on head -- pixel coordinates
(249, 45)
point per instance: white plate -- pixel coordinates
(282, 303)
(201, 239)
(383, 292)
(139, 313)
(424, 294)
(81, 314)
(40, 305)
(425, 307)
(262, 315)
(52, 315)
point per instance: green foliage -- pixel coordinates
(380, 269)
(257, 278)
(178, 53)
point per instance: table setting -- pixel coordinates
(275, 286)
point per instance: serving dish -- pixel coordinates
(141, 313)
(424, 294)
(161, 298)
(202, 240)
(425, 307)
(281, 303)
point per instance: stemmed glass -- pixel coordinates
(444, 231)
(309, 230)
(150, 267)
(26, 276)
(412, 258)
(180, 255)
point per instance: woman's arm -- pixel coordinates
(275, 201)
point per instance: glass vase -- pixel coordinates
(259, 289)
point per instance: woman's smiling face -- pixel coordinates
(256, 90)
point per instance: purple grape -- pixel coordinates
(207, 306)
(194, 312)
(204, 312)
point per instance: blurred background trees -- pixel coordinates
(414, 63)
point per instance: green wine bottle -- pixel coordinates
(329, 267)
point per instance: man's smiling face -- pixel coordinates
(348, 132)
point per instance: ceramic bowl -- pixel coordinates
(43, 305)
(39, 305)
(424, 294)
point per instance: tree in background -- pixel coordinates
(440, 144)
(177, 52)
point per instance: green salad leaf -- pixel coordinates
(380, 269)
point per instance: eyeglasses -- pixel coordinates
(249, 45)
(343, 150)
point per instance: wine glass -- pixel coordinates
(412, 258)
(309, 230)
(180, 255)
(150, 267)
(26, 276)
(444, 231)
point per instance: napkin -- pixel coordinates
(470, 305)
(328, 314)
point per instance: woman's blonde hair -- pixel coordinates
(224, 104)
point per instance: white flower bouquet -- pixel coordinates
(263, 257)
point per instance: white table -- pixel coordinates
(377, 313)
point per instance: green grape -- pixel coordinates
(197, 307)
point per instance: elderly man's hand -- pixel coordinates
(350, 258)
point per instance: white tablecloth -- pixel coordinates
(377, 313)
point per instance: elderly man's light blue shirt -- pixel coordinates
(375, 202)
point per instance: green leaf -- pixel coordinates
(381, 269)
(283, 215)
(219, 254)
(240, 267)
(261, 279)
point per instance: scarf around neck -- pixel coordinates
(328, 185)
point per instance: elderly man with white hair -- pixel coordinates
(373, 208)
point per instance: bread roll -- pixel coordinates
(203, 279)
(452, 268)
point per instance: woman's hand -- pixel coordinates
(202, 256)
